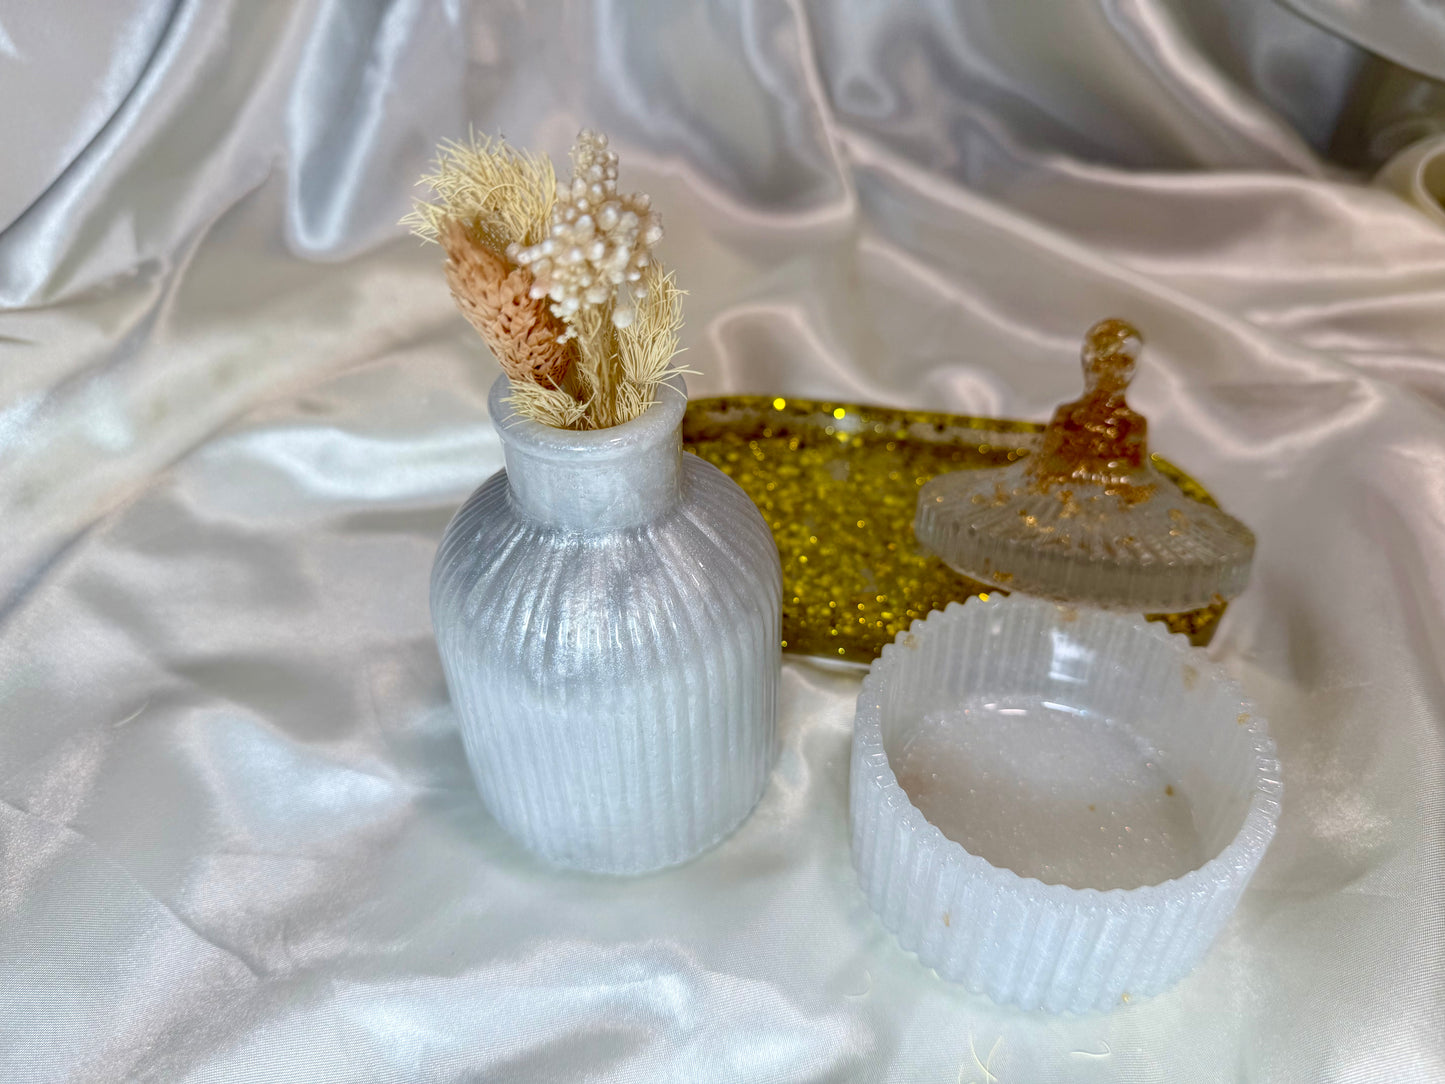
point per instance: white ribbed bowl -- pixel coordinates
(1023, 726)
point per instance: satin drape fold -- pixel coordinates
(237, 837)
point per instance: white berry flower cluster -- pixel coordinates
(599, 242)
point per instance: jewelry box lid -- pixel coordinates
(1088, 518)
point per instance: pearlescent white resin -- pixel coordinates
(1056, 807)
(607, 611)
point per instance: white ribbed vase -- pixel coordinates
(607, 611)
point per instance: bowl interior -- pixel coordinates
(1074, 746)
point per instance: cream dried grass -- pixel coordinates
(503, 194)
(647, 346)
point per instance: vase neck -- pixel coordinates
(596, 493)
(594, 480)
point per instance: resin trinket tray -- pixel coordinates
(838, 484)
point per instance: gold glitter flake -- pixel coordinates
(838, 482)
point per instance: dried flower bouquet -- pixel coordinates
(562, 284)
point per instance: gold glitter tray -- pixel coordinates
(838, 483)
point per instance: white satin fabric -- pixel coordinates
(238, 840)
(1409, 32)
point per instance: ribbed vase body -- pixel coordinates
(607, 611)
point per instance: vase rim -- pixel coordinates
(654, 424)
